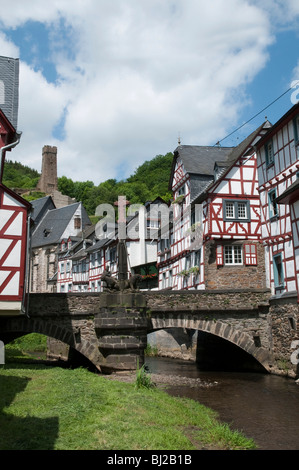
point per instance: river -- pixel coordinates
(264, 407)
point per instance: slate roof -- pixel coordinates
(200, 160)
(9, 75)
(52, 226)
(40, 206)
(199, 163)
(245, 147)
(247, 144)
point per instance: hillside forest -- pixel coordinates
(149, 181)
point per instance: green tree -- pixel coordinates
(16, 175)
(149, 181)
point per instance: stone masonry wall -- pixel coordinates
(228, 276)
(285, 332)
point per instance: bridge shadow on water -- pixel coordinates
(23, 433)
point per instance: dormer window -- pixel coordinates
(47, 232)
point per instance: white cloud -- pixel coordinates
(132, 75)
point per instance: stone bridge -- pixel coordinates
(110, 329)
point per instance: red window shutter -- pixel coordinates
(219, 255)
(250, 254)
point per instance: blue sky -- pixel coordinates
(113, 84)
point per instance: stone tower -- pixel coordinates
(48, 180)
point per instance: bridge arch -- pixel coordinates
(16, 327)
(223, 330)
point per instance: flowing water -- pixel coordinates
(264, 407)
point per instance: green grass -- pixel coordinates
(45, 408)
(31, 342)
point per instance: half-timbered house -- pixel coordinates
(278, 171)
(82, 261)
(54, 227)
(192, 170)
(216, 237)
(14, 233)
(14, 252)
(233, 255)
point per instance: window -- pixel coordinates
(170, 278)
(296, 130)
(113, 255)
(236, 210)
(188, 262)
(181, 191)
(269, 153)
(233, 255)
(278, 271)
(273, 209)
(163, 280)
(230, 210)
(77, 222)
(62, 268)
(197, 255)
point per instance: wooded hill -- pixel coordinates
(149, 181)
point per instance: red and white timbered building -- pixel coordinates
(216, 237)
(179, 255)
(14, 252)
(14, 234)
(231, 221)
(278, 172)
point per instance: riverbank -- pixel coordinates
(163, 380)
(54, 408)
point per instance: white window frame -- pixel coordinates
(233, 252)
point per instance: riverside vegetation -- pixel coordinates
(46, 407)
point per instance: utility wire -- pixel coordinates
(251, 119)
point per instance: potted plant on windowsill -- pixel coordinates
(184, 273)
(194, 270)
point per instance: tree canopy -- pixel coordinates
(149, 181)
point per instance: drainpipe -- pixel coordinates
(3, 150)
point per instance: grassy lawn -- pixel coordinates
(44, 408)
